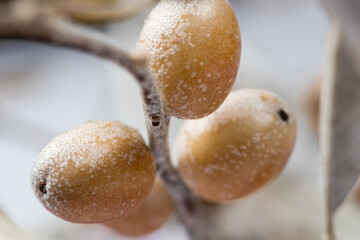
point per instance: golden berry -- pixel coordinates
(94, 173)
(239, 148)
(193, 48)
(155, 211)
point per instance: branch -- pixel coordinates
(48, 28)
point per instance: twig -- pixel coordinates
(50, 29)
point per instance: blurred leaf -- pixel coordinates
(347, 13)
(340, 125)
(9, 231)
(98, 11)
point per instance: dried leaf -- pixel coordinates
(340, 125)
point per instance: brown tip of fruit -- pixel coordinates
(283, 115)
(42, 187)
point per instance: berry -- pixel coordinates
(239, 148)
(155, 211)
(94, 173)
(193, 48)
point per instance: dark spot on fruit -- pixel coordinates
(42, 187)
(283, 115)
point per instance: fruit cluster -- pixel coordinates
(103, 172)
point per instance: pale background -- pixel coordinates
(47, 90)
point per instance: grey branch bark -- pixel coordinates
(48, 28)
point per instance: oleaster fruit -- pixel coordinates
(150, 216)
(239, 148)
(193, 48)
(97, 172)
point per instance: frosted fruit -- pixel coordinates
(239, 148)
(155, 211)
(94, 173)
(193, 48)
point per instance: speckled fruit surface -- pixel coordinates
(94, 173)
(155, 211)
(239, 148)
(194, 49)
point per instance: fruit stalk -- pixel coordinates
(186, 203)
(45, 26)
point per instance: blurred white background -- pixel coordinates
(46, 90)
